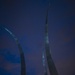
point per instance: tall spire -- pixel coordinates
(44, 64)
(23, 65)
(51, 65)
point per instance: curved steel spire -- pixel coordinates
(51, 65)
(44, 64)
(23, 65)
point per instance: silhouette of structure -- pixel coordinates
(23, 65)
(51, 65)
(44, 64)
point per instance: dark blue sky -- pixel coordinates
(26, 19)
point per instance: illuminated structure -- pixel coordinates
(23, 65)
(44, 64)
(51, 65)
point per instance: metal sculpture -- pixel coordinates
(23, 65)
(51, 65)
(44, 64)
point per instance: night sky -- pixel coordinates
(26, 19)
